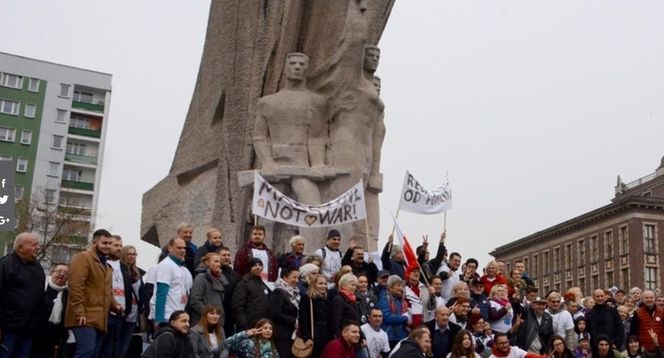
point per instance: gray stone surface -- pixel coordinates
(245, 49)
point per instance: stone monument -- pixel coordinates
(246, 46)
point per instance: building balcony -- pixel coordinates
(85, 159)
(80, 185)
(88, 106)
(85, 132)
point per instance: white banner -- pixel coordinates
(271, 204)
(415, 198)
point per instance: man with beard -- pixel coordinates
(449, 273)
(173, 283)
(354, 258)
(256, 249)
(604, 319)
(533, 333)
(647, 317)
(90, 297)
(121, 288)
(502, 349)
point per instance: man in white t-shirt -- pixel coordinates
(563, 323)
(450, 275)
(331, 256)
(173, 283)
(376, 340)
(502, 349)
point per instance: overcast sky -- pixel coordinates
(532, 107)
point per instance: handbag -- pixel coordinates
(300, 349)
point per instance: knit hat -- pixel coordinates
(255, 261)
(333, 233)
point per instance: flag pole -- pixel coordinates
(255, 220)
(366, 228)
(394, 225)
(445, 221)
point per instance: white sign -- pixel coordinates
(270, 203)
(416, 199)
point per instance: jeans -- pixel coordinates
(109, 345)
(88, 341)
(126, 332)
(15, 345)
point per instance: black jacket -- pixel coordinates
(232, 278)
(603, 319)
(21, 294)
(530, 329)
(408, 349)
(369, 269)
(438, 350)
(250, 302)
(284, 314)
(169, 343)
(342, 310)
(320, 313)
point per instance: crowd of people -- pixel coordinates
(199, 302)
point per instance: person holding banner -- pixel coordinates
(256, 248)
(450, 274)
(429, 267)
(354, 258)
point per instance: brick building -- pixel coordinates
(619, 244)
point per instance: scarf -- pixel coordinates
(349, 296)
(293, 293)
(501, 301)
(56, 312)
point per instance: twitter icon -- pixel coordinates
(3, 199)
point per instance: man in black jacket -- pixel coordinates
(251, 297)
(604, 319)
(442, 332)
(533, 332)
(22, 296)
(232, 278)
(354, 257)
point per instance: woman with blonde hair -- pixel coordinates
(314, 306)
(500, 313)
(492, 277)
(207, 336)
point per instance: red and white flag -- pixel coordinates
(409, 253)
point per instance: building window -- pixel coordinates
(556, 259)
(623, 238)
(535, 265)
(57, 142)
(649, 239)
(18, 192)
(53, 169)
(568, 255)
(7, 134)
(624, 278)
(33, 85)
(581, 252)
(5, 157)
(26, 136)
(64, 90)
(13, 81)
(76, 148)
(609, 279)
(21, 165)
(650, 278)
(30, 110)
(79, 122)
(81, 96)
(525, 264)
(595, 283)
(545, 263)
(9, 107)
(582, 284)
(61, 116)
(72, 175)
(594, 251)
(50, 196)
(608, 244)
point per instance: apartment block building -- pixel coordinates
(53, 121)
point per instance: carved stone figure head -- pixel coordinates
(296, 66)
(376, 83)
(362, 4)
(371, 58)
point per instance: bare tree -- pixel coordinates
(62, 226)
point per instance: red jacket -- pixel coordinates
(243, 256)
(488, 285)
(338, 348)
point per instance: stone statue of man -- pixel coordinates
(291, 130)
